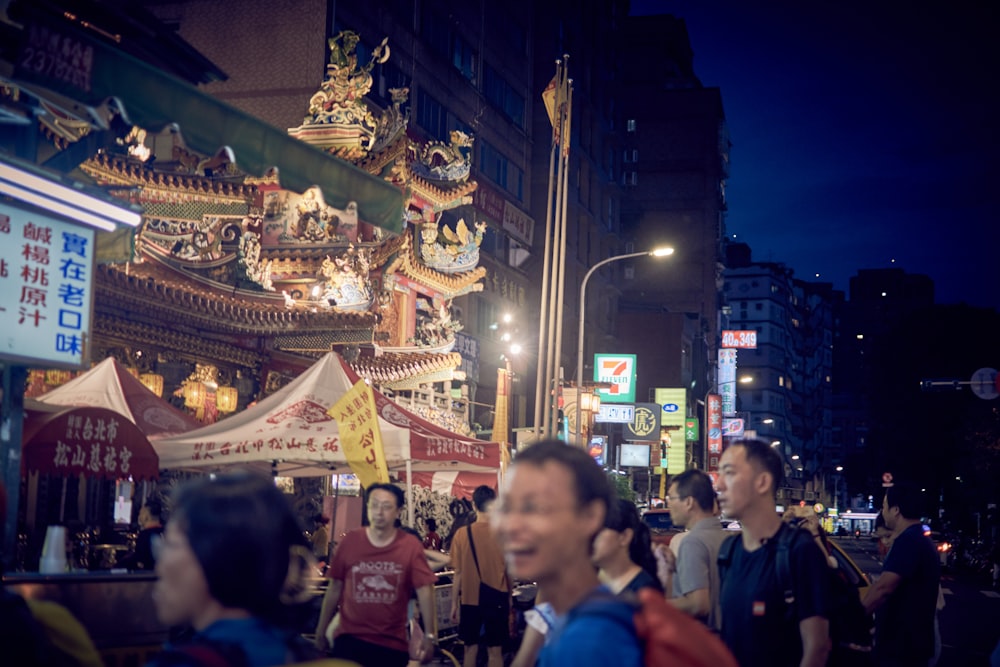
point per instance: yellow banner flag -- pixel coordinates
(501, 423)
(360, 434)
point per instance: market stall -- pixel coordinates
(291, 434)
(110, 385)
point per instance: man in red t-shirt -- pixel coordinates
(373, 573)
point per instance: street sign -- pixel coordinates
(985, 384)
(743, 340)
(620, 413)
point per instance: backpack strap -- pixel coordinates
(725, 557)
(787, 537)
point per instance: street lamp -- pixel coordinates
(836, 488)
(511, 349)
(659, 252)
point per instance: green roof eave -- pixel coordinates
(154, 99)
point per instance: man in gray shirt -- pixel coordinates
(695, 581)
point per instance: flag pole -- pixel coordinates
(562, 240)
(540, 370)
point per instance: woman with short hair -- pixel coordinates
(233, 565)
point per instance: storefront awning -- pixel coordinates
(63, 60)
(92, 442)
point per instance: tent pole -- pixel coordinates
(409, 493)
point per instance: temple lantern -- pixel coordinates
(194, 394)
(152, 382)
(226, 399)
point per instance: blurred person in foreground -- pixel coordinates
(40, 633)
(756, 625)
(623, 553)
(905, 597)
(556, 501)
(233, 566)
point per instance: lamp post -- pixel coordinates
(511, 349)
(836, 489)
(659, 252)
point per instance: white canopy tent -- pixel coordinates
(290, 433)
(109, 385)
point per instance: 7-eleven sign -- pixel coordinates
(619, 371)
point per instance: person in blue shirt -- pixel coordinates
(232, 565)
(556, 501)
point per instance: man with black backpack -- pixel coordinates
(763, 622)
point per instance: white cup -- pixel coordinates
(53, 558)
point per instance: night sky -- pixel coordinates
(864, 134)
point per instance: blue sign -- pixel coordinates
(671, 407)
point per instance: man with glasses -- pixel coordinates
(374, 571)
(695, 587)
(554, 505)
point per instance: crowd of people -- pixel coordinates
(235, 571)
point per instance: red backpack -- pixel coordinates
(669, 637)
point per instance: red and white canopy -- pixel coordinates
(93, 442)
(291, 434)
(109, 385)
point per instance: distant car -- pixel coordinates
(661, 526)
(943, 545)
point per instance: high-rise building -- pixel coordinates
(785, 385)
(674, 162)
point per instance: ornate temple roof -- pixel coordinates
(448, 284)
(152, 289)
(407, 371)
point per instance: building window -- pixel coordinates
(463, 57)
(501, 170)
(431, 116)
(510, 33)
(434, 29)
(503, 96)
(630, 125)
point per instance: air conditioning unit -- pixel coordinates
(780, 494)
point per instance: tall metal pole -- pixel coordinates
(580, 325)
(541, 389)
(561, 279)
(559, 248)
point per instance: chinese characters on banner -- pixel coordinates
(713, 431)
(90, 448)
(46, 274)
(727, 380)
(357, 421)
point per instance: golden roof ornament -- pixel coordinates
(338, 120)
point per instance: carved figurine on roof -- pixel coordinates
(339, 120)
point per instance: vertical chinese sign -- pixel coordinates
(713, 434)
(357, 421)
(46, 293)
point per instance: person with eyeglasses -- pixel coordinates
(695, 578)
(373, 573)
(556, 501)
